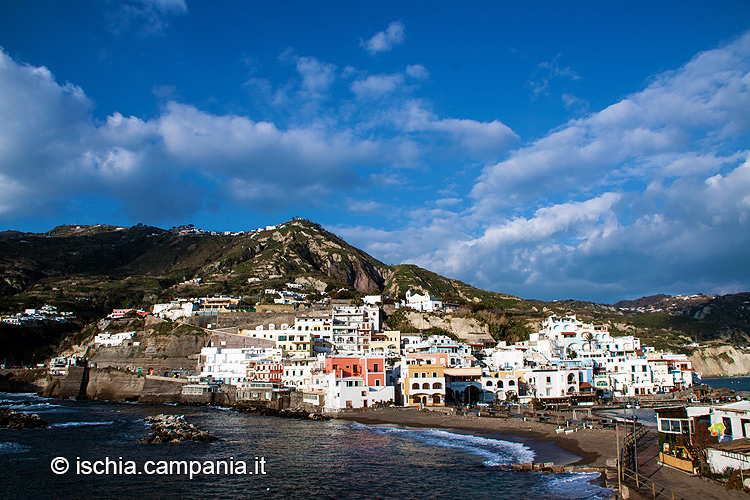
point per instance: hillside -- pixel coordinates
(100, 267)
(93, 269)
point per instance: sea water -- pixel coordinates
(301, 459)
(736, 383)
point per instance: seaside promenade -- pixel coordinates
(655, 476)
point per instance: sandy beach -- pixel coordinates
(586, 447)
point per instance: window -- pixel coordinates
(437, 385)
(673, 426)
(512, 382)
(415, 386)
(375, 367)
(416, 375)
(489, 383)
(728, 425)
(549, 381)
(377, 383)
(425, 386)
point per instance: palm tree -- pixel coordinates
(588, 337)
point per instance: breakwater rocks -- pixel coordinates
(174, 429)
(285, 413)
(551, 468)
(10, 419)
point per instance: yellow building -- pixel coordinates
(295, 343)
(386, 342)
(424, 384)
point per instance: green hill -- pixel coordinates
(93, 269)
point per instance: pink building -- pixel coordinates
(370, 368)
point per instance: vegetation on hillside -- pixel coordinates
(91, 270)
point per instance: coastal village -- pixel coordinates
(340, 360)
(343, 359)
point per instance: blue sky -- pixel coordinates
(551, 150)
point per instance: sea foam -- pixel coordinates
(574, 486)
(496, 452)
(81, 424)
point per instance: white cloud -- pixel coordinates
(167, 6)
(574, 103)
(377, 85)
(474, 139)
(650, 195)
(317, 76)
(51, 151)
(368, 207)
(693, 109)
(417, 71)
(384, 41)
(447, 202)
(146, 17)
(547, 71)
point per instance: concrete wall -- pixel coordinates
(160, 353)
(114, 385)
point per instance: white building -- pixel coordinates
(350, 392)
(504, 358)
(112, 339)
(735, 419)
(422, 302)
(298, 372)
(230, 365)
(500, 386)
(729, 455)
(553, 382)
(174, 310)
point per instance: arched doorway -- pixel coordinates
(471, 394)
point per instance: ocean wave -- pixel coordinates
(496, 452)
(81, 424)
(574, 486)
(20, 395)
(7, 448)
(34, 407)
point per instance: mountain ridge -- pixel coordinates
(93, 269)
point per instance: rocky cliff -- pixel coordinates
(157, 348)
(723, 361)
(468, 329)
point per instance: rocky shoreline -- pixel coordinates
(174, 429)
(284, 413)
(10, 419)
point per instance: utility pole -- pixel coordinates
(619, 459)
(635, 451)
